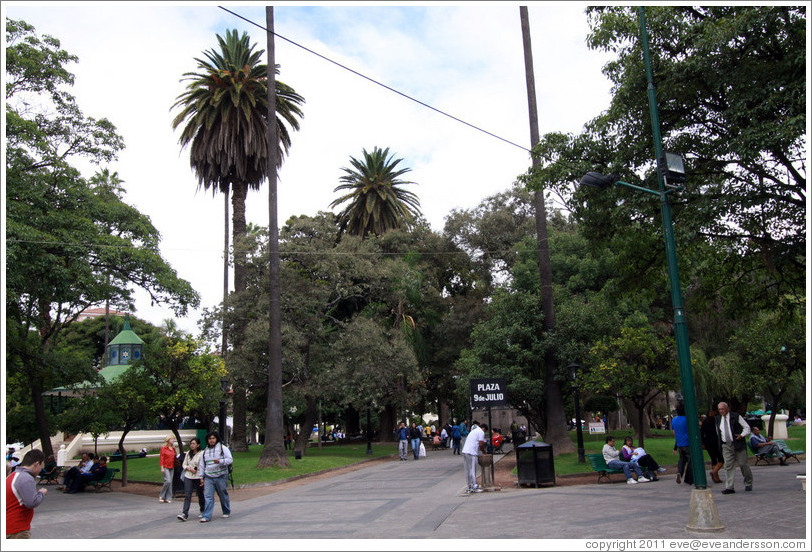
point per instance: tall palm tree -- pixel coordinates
(377, 202)
(225, 114)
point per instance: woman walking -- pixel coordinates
(710, 442)
(167, 462)
(216, 460)
(192, 478)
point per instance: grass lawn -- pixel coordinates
(245, 463)
(660, 446)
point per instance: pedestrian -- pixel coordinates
(732, 431)
(710, 442)
(403, 441)
(167, 463)
(22, 495)
(682, 446)
(192, 479)
(216, 460)
(414, 436)
(456, 436)
(470, 451)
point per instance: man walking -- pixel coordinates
(22, 495)
(470, 451)
(403, 441)
(733, 431)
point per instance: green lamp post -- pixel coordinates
(671, 174)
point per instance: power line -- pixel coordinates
(377, 82)
(475, 251)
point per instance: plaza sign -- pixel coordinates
(488, 392)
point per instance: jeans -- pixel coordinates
(684, 464)
(456, 443)
(219, 484)
(166, 490)
(627, 468)
(470, 470)
(416, 447)
(192, 486)
(403, 448)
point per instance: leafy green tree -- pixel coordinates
(70, 244)
(772, 349)
(186, 380)
(225, 116)
(637, 365)
(374, 190)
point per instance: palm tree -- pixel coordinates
(225, 114)
(377, 203)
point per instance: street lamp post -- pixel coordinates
(703, 515)
(574, 368)
(224, 385)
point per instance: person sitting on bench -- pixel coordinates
(765, 445)
(74, 472)
(97, 472)
(612, 457)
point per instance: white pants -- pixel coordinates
(470, 470)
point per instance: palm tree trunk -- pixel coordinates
(555, 432)
(273, 453)
(238, 406)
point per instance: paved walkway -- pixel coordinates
(426, 499)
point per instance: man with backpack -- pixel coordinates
(217, 461)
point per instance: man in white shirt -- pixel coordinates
(470, 450)
(733, 431)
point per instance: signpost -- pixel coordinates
(488, 392)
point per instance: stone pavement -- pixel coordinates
(426, 499)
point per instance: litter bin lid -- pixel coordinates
(532, 444)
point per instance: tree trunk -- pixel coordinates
(41, 417)
(555, 432)
(239, 416)
(353, 420)
(311, 412)
(636, 420)
(238, 406)
(123, 456)
(273, 454)
(388, 421)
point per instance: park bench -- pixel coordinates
(51, 477)
(766, 456)
(117, 457)
(599, 465)
(104, 482)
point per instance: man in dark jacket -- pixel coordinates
(733, 432)
(97, 472)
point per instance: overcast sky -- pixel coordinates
(464, 59)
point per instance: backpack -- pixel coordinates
(455, 432)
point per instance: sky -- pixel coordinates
(465, 59)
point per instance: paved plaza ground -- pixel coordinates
(426, 499)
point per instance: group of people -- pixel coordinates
(725, 435)
(89, 469)
(205, 472)
(449, 436)
(638, 466)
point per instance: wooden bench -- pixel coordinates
(599, 465)
(104, 482)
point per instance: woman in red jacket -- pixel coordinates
(167, 461)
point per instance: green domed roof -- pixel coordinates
(127, 336)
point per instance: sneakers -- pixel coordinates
(477, 490)
(200, 515)
(161, 500)
(168, 501)
(203, 520)
(642, 479)
(661, 469)
(631, 481)
(226, 515)
(748, 488)
(183, 517)
(679, 478)
(728, 491)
